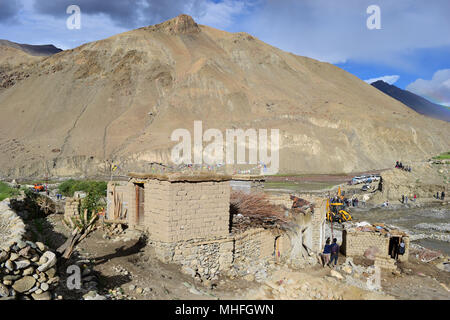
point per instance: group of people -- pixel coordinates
(330, 253)
(405, 199)
(59, 196)
(353, 202)
(400, 165)
(442, 195)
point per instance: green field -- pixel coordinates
(7, 192)
(445, 155)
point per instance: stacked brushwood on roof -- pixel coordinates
(254, 210)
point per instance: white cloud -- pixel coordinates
(336, 31)
(437, 89)
(389, 79)
(219, 14)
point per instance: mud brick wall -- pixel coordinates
(71, 207)
(356, 243)
(180, 211)
(158, 207)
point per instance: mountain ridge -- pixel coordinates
(414, 101)
(118, 100)
(34, 50)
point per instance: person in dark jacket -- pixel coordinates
(442, 195)
(334, 252)
(326, 253)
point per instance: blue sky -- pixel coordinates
(411, 49)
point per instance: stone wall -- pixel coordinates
(254, 245)
(12, 227)
(236, 255)
(205, 258)
(71, 208)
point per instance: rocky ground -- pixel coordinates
(119, 266)
(27, 271)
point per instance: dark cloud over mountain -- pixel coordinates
(9, 9)
(126, 13)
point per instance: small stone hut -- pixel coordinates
(359, 237)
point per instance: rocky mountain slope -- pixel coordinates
(119, 99)
(34, 50)
(414, 101)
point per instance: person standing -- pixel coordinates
(415, 197)
(326, 253)
(401, 249)
(442, 195)
(334, 252)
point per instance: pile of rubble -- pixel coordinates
(425, 255)
(112, 230)
(27, 271)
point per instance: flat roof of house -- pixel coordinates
(380, 228)
(181, 177)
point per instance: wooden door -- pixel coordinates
(140, 200)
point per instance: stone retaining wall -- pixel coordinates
(232, 254)
(12, 227)
(71, 208)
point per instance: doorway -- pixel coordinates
(394, 243)
(140, 200)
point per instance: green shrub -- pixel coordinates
(94, 200)
(95, 192)
(7, 192)
(69, 187)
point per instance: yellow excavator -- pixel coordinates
(336, 212)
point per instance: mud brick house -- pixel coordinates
(357, 238)
(187, 220)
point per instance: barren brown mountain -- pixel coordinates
(119, 99)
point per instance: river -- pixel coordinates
(428, 226)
